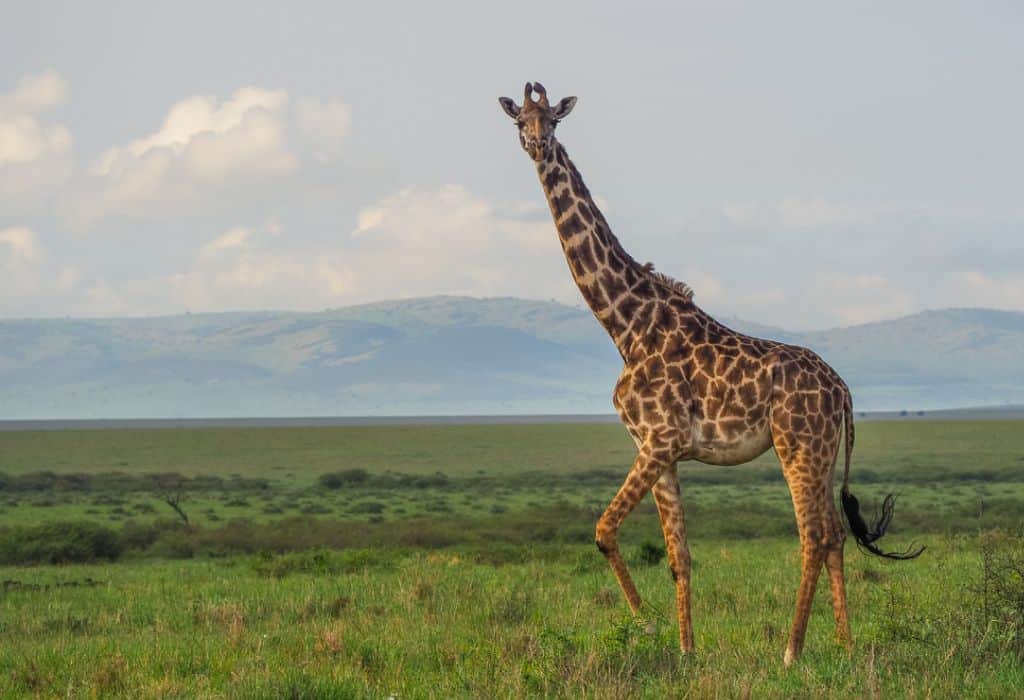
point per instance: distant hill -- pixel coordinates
(447, 355)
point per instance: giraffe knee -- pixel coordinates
(829, 536)
(679, 564)
(605, 539)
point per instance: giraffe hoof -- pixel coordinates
(650, 627)
(789, 658)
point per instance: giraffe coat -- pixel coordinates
(693, 389)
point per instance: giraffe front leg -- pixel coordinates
(670, 510)
(647, 468)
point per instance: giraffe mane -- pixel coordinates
(669, 283)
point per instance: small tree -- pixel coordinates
(171, 490)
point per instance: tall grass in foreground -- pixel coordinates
(458, 561)
(509, 622)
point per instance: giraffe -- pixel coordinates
(693, 389)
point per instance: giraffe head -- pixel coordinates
(537, 119)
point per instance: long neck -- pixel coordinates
(612, 283)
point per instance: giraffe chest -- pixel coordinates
(731, 421)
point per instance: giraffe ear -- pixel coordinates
(509, 106)
(563, 107)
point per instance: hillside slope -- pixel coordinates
(447, 355)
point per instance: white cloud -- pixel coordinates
(31, 282)
(451, 220)
(418, 216)
(448, 240)
(20, 244)
(23, 277)
(34, 94)
(416, 242)
(975, 288)
(861, 298)
(235, 238)
(34, 157)
(23, 140)
(238, 270)
(203, 149)
(192, 117)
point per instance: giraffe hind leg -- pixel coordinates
(837, 581)
(809, 476)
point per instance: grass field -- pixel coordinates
(456, 561)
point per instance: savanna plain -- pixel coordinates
(458, 561)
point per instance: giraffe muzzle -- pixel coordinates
(536, 149)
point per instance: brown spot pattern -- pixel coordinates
(693, 389)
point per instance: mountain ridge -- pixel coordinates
(448, 355)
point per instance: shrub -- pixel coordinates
(1001, 588)
(651, 554)
(346, 477)
(173, 544)
(58, 543)
(138, 536)
(321, 561)
(121, 482)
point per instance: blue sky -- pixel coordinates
(800, 164)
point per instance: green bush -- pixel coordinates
(58, 543)
(121, 482)
(322, 561)
(346, 477)
(1000, 591)
(651, 554)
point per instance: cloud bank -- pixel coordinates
(253, 199)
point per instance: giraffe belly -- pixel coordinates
(737, 449)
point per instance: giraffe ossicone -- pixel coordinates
(693, 389)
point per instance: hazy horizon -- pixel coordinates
(449, 355)
(578, 305)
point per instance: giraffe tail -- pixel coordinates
(866, 536)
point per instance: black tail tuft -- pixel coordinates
(867, 537)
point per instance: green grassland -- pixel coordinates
(457, 561)
(941, 471)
